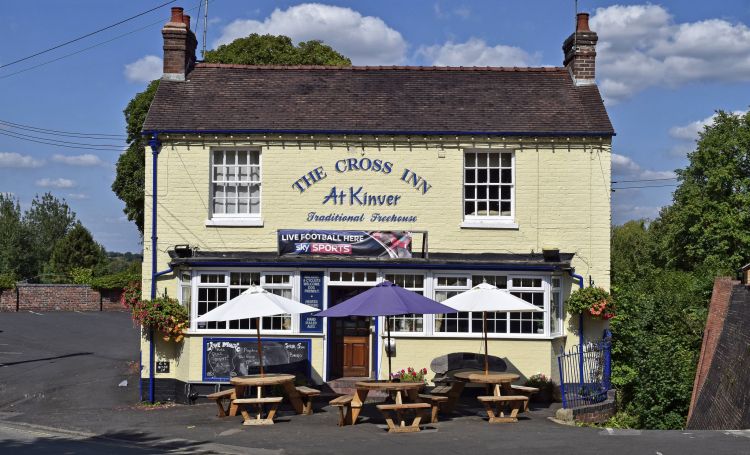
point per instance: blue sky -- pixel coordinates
(663, 67)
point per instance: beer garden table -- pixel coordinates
(501, 383)
(363, 388)
(286, 381)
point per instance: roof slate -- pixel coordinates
(382, 100)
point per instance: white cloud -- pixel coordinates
(56, 183)
(366, 40)
(78, 196)
(145, 69)
(16, 160)
(86, 159)
(624, 167)
(641, 46)
(625, 212)
(463, 11)
(690, 131)
(476, 52)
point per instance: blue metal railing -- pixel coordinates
(585, 373)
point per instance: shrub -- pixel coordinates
(7, 281)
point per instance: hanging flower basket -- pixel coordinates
(163, 314)
(593, 301)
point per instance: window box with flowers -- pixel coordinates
(593, 301)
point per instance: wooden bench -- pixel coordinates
(516, 403)
(441, 390)
(223, 400)
(400, 410)
(435, 401)
(526, 391)
(258, 403)
(344, 403)
(307, 394)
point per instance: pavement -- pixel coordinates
(59, 393)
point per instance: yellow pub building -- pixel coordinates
(317, 183)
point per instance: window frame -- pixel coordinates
(235, 219)
(293, 285)
(490, 221)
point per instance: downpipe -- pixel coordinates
(580, 330)
(155, 148)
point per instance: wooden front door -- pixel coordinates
(350, 353)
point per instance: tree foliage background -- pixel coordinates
(252, 50)
(46, 243)
(663, 272)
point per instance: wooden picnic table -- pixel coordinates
(363, 388)
(286, 381)
(501, 383)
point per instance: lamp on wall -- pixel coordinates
(183, 251)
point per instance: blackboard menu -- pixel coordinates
(225, 358)
(311, 293)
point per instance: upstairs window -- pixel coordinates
(488, 185)
(235, 183)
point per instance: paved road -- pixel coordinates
(59, 394)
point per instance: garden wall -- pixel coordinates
(59, 297)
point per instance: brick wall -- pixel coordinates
(59, 297)
(717, 312)
(721, 403)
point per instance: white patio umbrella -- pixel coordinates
(485, 297)
(255, 302)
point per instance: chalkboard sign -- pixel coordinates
(225, 358)
(162, 366)
(312, 294)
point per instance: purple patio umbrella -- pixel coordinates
(386, 299)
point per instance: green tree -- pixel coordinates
(15, 262)
(76, 250)
(252, 50)
(131, 172)
(707, 225)
(275, 50)
(47, 220)
(632, 251)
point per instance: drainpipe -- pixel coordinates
(155, 148)
(580, 330)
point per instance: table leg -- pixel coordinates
(399, 400)
(357, 402)
(453, 396)
(506, 388)
(294, 398)
(239, 392)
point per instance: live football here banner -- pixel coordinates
(383, 244)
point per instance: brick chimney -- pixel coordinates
(580, 52)
(179, 46)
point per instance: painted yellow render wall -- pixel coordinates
(562, 199)
(524, 357)
(186, 358)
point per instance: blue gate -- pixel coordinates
(585, 374)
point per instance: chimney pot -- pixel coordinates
(580, 52)
(582, 25)
(186, 21)
(176, 14)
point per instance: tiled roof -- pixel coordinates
(383, 100)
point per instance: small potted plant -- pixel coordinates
(546, 388)
(409, 375)
(593, 301)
